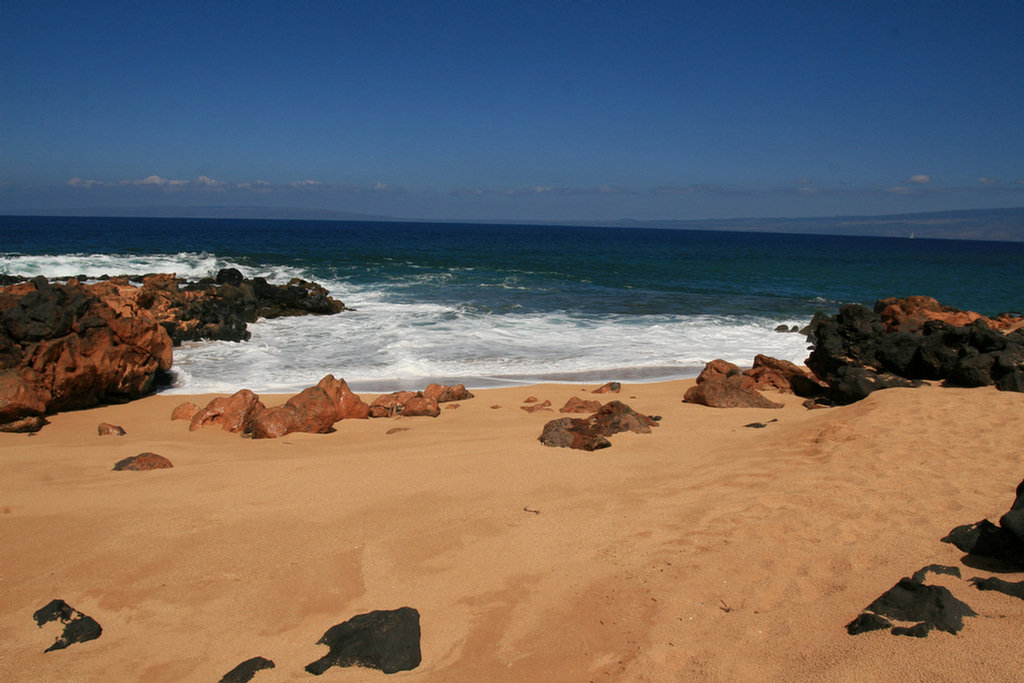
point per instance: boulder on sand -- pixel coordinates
(314, 411)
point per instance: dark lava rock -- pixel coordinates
(388, 640)
(996, 547)
(1011, 588)
(912, 600)
(78, 628)
(244, 672)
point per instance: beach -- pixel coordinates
(704, 551)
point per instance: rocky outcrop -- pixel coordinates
(107, 429)
(591, 433)
(783, 376)
(184, 411)
(859, 350)
(314, 411)
(909, 314)
(62, 347)
(386, 640)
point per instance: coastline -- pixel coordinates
(705, 550)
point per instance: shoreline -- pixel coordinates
(705, 550)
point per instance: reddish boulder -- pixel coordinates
(446, 393)
(728, 392)
(716, 369)
(107, 429)
(143, 461)
(407, 403)
(184, 411)
(608, 388)
(313, 411)
(772, 374)
(232, 413)
(591, 433)
(909, 314)
(579, 405)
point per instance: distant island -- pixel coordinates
(1005, 224)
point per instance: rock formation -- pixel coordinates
(406, 403)
(998, 546)
(858, 350)
(73, 345)
(314, 411)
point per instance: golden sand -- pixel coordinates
(705, 551)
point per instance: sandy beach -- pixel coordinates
(705, 551)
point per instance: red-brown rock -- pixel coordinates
(107, 429)
(184, 411)
(608, 388)
(716, 369)
(232, 413)
(18, 397)
(579, 405)
(537, 407)
(909, 314)
(446, 393)
(313, 411)
(772, 374)
(407, 403)
(143, 461)
(24, 425)
(734, 391)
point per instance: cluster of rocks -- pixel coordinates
(591, 433)
(905, 341)
(314, 410)
(70, 345)
(724, 385)
(914, 608)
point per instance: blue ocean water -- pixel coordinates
(492, 305)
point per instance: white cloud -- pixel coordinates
(87, 184)
(920, 178)
(988, 181)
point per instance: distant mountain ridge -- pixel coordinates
(1005, 224)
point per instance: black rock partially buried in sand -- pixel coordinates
(78, 627)
(244, 672)
(992, 547)
(388, 640)
(911, 600)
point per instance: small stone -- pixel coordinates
(107, 429)
(143, 461)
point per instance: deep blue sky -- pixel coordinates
(514, 110)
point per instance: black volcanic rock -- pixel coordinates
(244, 672)
(78, 628)
(926, 606)
(388, 640)
(999, 547)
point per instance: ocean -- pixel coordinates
(499, 305)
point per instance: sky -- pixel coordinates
(561, 111)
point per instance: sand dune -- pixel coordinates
(705, 551)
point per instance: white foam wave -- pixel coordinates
(382, 347)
